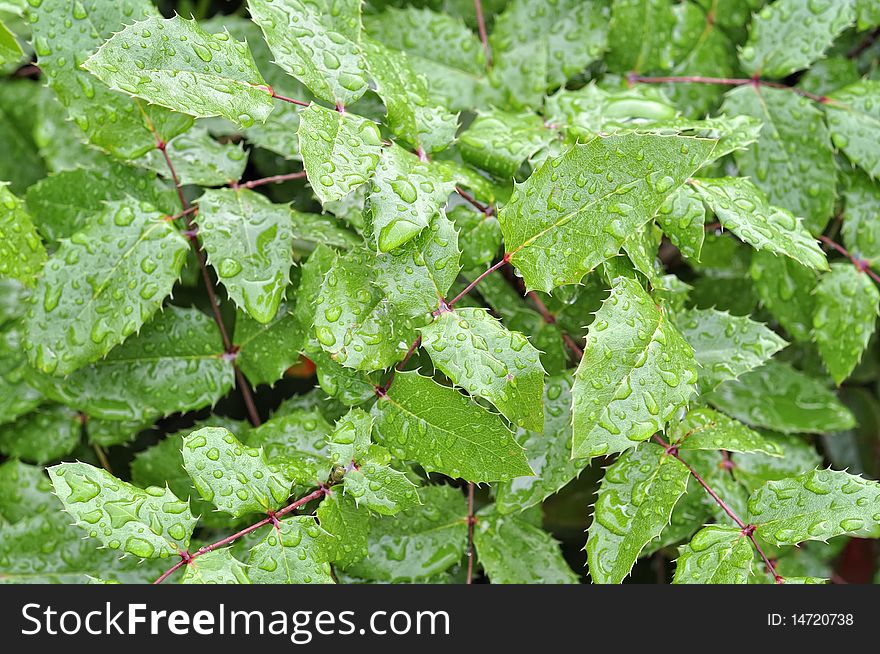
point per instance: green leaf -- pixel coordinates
(47, 434)
(743, 209)
(199, 159)
(786, 291)
(479, 354)
(715, 555)
(350, 528)
(64, 36)
(500, 141)
(705, 429)
(174, 365)
(339, 150)
(291, 552)
(636, 372)
(799, 456)
(682, 217)
(635, 502)
(417, 544)
(24, 491)
(298, 442)
(817, 505)
(22, 254)
(151, 523)
(638, 39)
(217, 567)
(236, 478)
(249, 241)
(853, 119)
(592, 110)
(409, 111)
(10, 50)
(350, 440)
(567, 218)
(861, 233)
(380, 488)
(512, 551)
(479, 236)
(726, 346)
(217, 72)
(777, 396)
(444, 431)
(868, 14)
(102, 285)
(847, 306)
(316, 42)
(793, 160)
(789, 35)
(267, 350)
(404, 197)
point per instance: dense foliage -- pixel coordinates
(321, 291)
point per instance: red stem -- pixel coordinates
(471, 521)
(187, 558)
(726, 81)
(481, 26)
(860, 264)
(484, 208)
(272, 179)
(471, 286)
(290, 100)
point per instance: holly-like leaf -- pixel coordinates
(349, 526)
(350, 440)
(637, 39)
(339, 150)
(568, 217)
(705, 429)
(635, 502)
(786, 291)
(861, 233)
(151, 523)
(500, 141)
(404, 197)
(22, 253)
(816, 505)
(777, 396)
(291, 552)
(217, 73)
(174, 365)
(479, 354)
(64, 36)
(316, 42)
(726, 346)
(789, 35)
(637, 370)
(444, 431)
(743, 209)
(216, 567)
(199, 159)
(847, 306)
(24, 491)
(236, 478)
(479, 236)
(793, 160)
(512, 551)
(682, 217)
(853, 118)
(102, 285)
(715, 555)
(249, 242)
(380, 488)
(297, 442)
(417, 544)
(267, 350)
(47, 434)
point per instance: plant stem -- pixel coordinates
(272, 179)
(186, 558)
(487, 209)
(290, 100)
(860, 264)
(471, 521)
(481, 26)
(102, 457)
(471, 286)
(864, 44)
(727, 81)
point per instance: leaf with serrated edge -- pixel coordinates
(500, 141)
(310, 42)
(444, 431)
(860, 230)
(380, 488)
(236, 478)
(854, 119)
(350, 440)
(682, 217)
(636, 371)
(847, 306)
(349, 526)
(249, 242)
(635, 502)
(199, 159)
(102, 285)
(512, 551)
(479, 354)
(705, 429)
(816, 505)
(151, 523)
(217, 567)
(743, 209)
(141, 61)
(568, 217)
(726, 346)
(267, 350)
(715, 555)
(292, 552)
(339, 150)
(22, 253)
(777, 396)
(47, 434)
(24, 491)
(786, 291)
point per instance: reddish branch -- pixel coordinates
(486, 209)
(550, 319)
(186, 558)
(726, 81)
(481, 26)
(860, 264)
(273, 179)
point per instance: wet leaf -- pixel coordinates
(705, 429)
(853, 118)
(22, 253)
(715, 555)
(217, 567)
(293, 552)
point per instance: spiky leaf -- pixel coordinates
(705, 429)
(290, 553)
(22, 253)
(853, 118)
(217, 567)
(715, 555)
